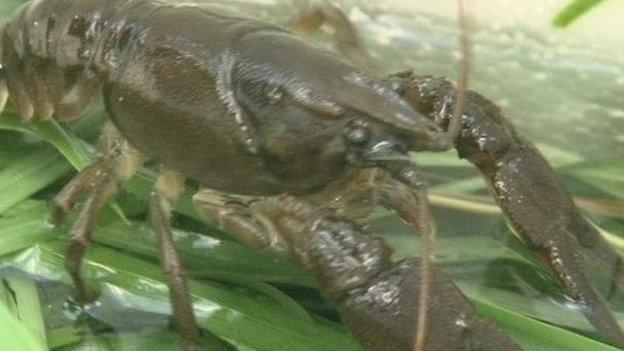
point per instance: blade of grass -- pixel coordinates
(230, 311)
(161, 340)
(524, 329)
(24, 230)
(205, 256)
(14, 335)
(605, 175)
(211, 258)
(535, 335)
(463, 186)
(72, 148)
(24, 298)
(573, 11)
(29, 174)
(64, 336)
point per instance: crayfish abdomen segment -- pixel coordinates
(45, 53)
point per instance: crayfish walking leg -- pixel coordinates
(347, 37)
(116, 162)
(168, 188)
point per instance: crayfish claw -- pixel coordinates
(538, 208)
(379, 299)
(544, 215)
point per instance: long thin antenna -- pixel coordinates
(464, 70)
(429, 231)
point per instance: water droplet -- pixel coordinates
(460, 322)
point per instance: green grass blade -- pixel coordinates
(230, 311)
(14, 335)
(535, 335)
(605, 175)
(205, 256)
(464, 186)
(145, 340)
(140, 341)
(573, 11)
(29, 174)
(65, 337)
(70, 147)
(23, 298)
(24, 230)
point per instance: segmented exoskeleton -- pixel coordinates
(219, 99)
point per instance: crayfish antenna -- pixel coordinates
(454, 127)
(428, 233)
(461, 90)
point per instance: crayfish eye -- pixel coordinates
(358, 132)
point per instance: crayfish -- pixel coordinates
(290, 143)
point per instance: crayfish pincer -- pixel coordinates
(218, 99)
(377, 298)
(379, 301)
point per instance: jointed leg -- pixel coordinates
(268, 224)
(235, 214)
(168, 188)
(349, 43)
(111, 146)
(117, 162)
(104, 188)
(67, 198)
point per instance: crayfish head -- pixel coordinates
(278, 74)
